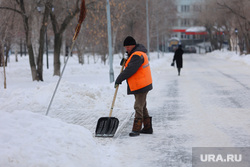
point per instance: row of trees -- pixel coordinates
(230, 18)
(34, 16)
(31, 20)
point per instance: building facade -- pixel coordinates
(186, 27)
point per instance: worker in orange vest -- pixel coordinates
(139, 80)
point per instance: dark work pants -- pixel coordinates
(140, 105)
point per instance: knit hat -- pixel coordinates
(129, 41)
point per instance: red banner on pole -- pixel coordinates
(80, 20)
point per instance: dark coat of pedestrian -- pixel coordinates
(178, 58)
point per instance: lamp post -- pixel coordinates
(236, 33)
(148, 39)
(111, 71)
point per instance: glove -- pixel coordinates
(117, 84)
(123, 60)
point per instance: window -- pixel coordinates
(185, 22)
(185, 8)
(174, 35)
(184, 36)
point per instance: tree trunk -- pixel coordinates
(5, 83)
(31, 57)
(80, 54)
(32, 62)
(229, 43)
(7, 55)
(40, 56)
(16, 57)
(28, 41)
(58, 32)
(42, 40)
(247, 39)
(1, 55)
(81, 58)
(57, 51)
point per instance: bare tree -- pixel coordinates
(128, 18)
(8, 31)
(210, 16)
(25, 12)
(237, 16)
(28, 9)
(5, 42)
(47, 9)
(240, 11)
(163, 13)
(61, 17)
(93, 37)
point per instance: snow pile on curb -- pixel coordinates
(231, 56)
(29, 139)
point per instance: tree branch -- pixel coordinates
(14, 10)
(233, 11)
(17, 2)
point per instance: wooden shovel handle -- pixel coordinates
(116, 90)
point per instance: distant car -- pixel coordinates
(189, 49)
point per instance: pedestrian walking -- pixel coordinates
(178, 58)
(137, 73)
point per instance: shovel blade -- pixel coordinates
(106, 127)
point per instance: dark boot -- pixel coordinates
(136, 127)
(179, 71)
(147, 129)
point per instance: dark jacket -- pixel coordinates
(178, 57)
(132, 68)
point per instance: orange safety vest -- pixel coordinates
(142, 77)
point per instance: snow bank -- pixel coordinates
(29, 139)
(229, 55)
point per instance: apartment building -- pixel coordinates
(186, 27)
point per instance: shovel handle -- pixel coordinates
(116, 90)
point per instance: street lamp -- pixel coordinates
(111, 71)
(236, 32)
(148, 39)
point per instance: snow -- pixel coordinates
(29, 139)
(196, 29)
(244, 59)
(174, 38)
(65, 137)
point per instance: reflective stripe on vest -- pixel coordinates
(142, 77)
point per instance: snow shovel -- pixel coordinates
(107, 126)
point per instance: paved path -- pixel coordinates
(207, 106)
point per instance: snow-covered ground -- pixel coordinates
(65, 138)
